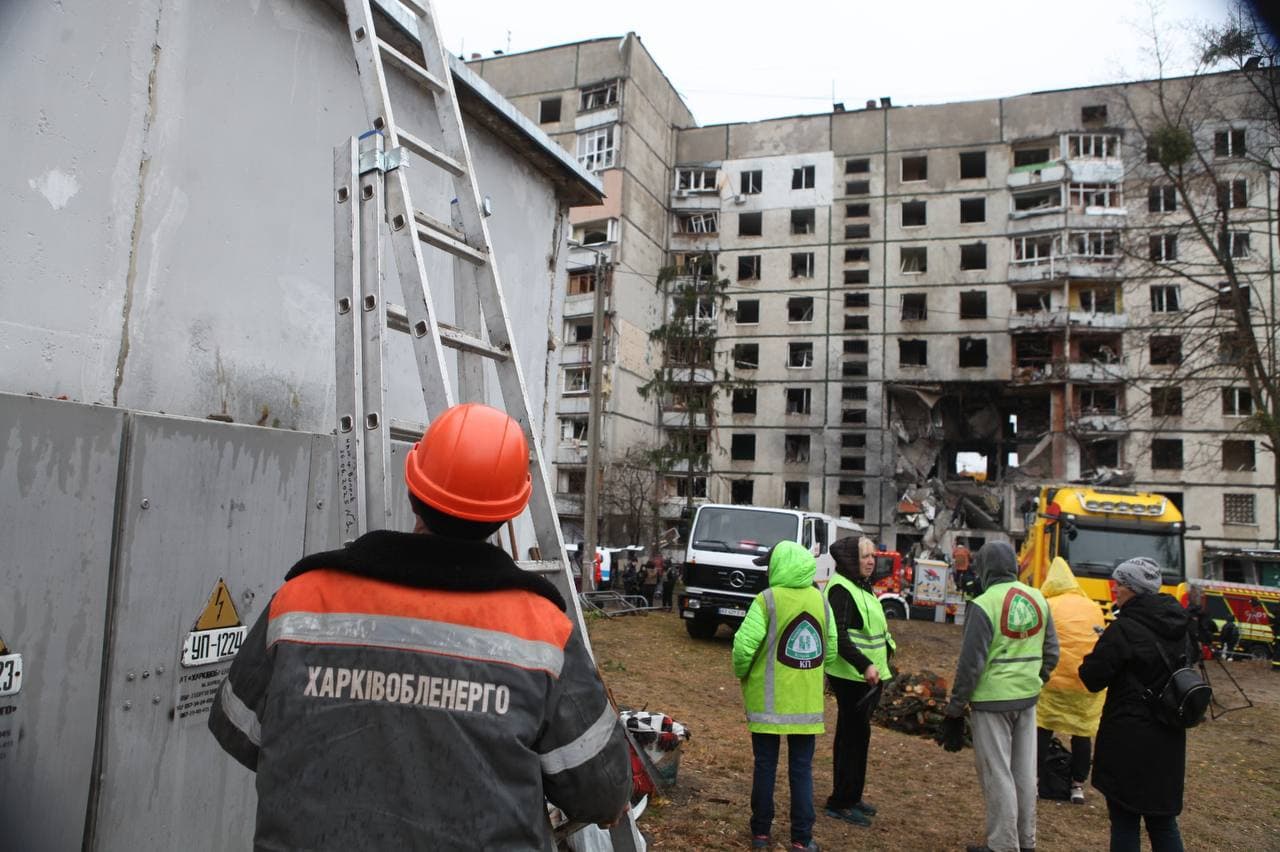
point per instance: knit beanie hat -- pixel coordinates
(1139, 574)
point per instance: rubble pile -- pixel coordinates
(912, 703)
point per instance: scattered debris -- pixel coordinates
(912, 703)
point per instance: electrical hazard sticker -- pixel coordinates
(217, 633)
(10, 671)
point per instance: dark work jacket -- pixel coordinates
(848, 617)
(1139, 762)
(418, 692)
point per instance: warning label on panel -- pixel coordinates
(217, 633)
(207, 651)
(10, 685)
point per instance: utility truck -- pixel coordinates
(1095, 529)
(720, 576)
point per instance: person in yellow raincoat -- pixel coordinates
(1066, 707)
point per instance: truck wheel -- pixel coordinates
(700, 628)
(894, 609)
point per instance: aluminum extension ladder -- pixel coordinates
(371, 200)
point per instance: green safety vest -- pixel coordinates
(873, 640)
(783, 690)
(1018, 615)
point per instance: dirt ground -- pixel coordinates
(928, 799)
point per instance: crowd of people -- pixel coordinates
(1034, 662)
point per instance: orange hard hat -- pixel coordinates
(472, 463)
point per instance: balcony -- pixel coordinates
(1040, 269)
(696, 375)
(569, 504)
(676, 418)
(1038, 321)
(1095, 170)
(1050, 172)
(1098, 422)
(584, 257)
(1094, 372)
(1087, 321)
(575, 354)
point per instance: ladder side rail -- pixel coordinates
(370, 70)
(349, 432)
(373, 334)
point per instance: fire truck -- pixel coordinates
(892, 583)
(1241, 587)
(1095, 529)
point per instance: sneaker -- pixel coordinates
(866, 807)
(1077, 793)
(760, 841)
(853, 815)
(811, 846)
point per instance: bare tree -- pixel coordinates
(627, 496)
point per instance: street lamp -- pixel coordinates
(590, 533)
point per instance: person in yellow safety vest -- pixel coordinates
(1009, 649)
(778, 654)
(1066, 706)
(863, 647)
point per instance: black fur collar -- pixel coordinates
(429, 562)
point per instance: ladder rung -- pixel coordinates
(456, 338)
(415, 71)
(451, 336)
(541, 567)
(447, 239)
(429, 153)
(415, 7)
(405, 430)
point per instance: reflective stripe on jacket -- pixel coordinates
(873, 639)
(425, 691)
(1018, 615)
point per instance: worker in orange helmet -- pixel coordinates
(419, 690)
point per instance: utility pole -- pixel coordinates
(591, 498)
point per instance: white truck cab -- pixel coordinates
(720, 576)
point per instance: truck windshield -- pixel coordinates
(749, 531)
(1095, 551)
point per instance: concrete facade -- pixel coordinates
(980, 290)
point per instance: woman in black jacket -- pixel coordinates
(1139, 762)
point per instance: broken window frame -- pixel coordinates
(1035, 249)
(598, 96)
(571, 480)
(1239, 455)
(804, 220)
(1039, 199)
(1239, 509)
(596, 149)
(973, 305)
(913, 168)
(796, 448)
(746, 356)
(800, 309)
(1097, 399)
(1099, 299)
(802, 264)
(1095, 244)
(607, 228)
(913, 260)
(915, 307)
(915, 214)
(795, 495)
(967, 208)
(979, 157)
(1032, 156)
(694, 179)
(798, 400)
(749, 267)
(576, 381)
(751, 182)
(972, 353)
(917, 348)
(1101, 195)
(698, 223)
(973, 256)
(799, 355)
(678, 487)
(581, 283)
(543, 104)
(804, 177)
(573, 430)
(1043, 300)
(1166, 298)
(1092, 146)
(751, 224)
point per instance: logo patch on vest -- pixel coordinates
(1020, 615)
(800, 645)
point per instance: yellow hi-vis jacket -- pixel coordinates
(1065, 705)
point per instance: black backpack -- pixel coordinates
(1055, 772)
(1180, 700)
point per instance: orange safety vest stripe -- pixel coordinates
(514, 611)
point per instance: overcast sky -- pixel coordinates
(788, 58)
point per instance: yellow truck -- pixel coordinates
(1095, 529)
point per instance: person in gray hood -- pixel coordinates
(1008, 652)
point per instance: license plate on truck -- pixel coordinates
(732, 610)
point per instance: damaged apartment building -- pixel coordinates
(938, 308)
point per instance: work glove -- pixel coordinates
(952, 738)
